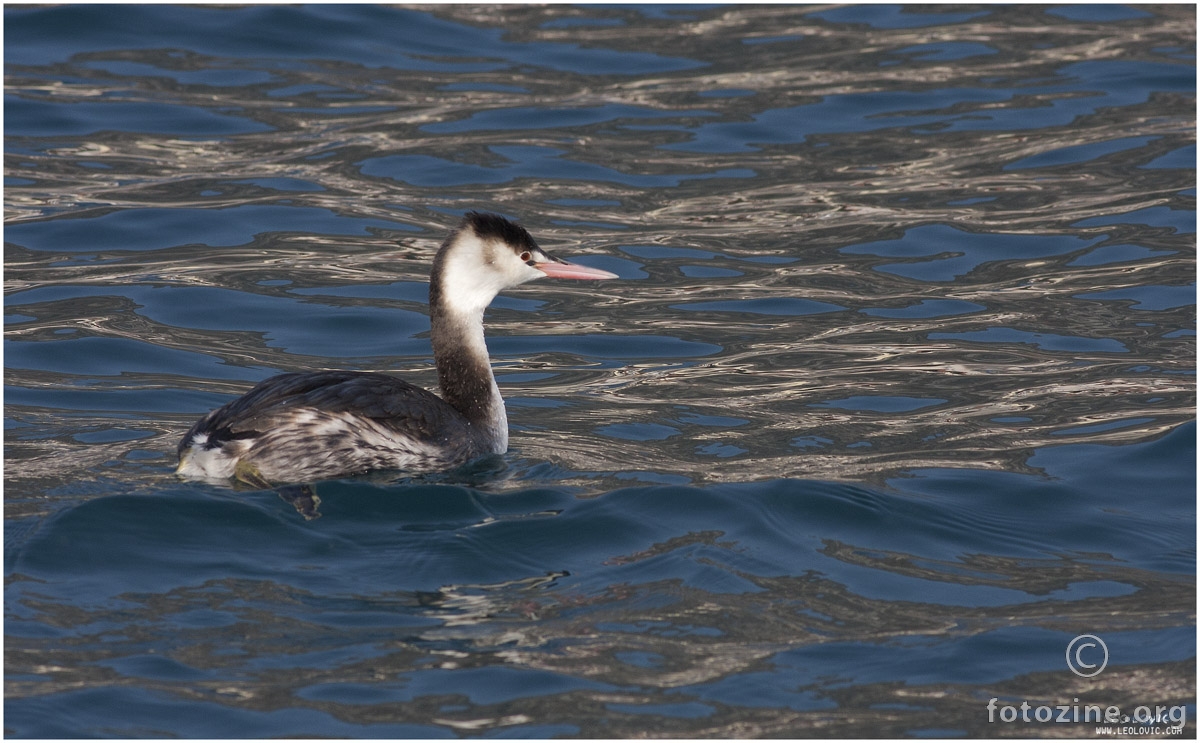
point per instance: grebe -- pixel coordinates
(302, 427)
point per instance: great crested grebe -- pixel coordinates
(307, 426)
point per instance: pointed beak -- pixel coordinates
(560, 269)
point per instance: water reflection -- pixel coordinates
(486, 655)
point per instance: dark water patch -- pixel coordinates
(946, 51)
(1183, 158)
(526, 162)
(1046, 341)
(926, 308)
(893, 16)
(28, 117)
(963, 252)
(109, 357)
(1098, 13)
(1106, 254)
(1149, 298)
(607, 346)
(880, 403)
(1179, 220)
(366, 35)
(158, 714)
(1079, 153)
(544, 118)
(213, 77)
(774, 306)
(1115, 83)
(150, 229)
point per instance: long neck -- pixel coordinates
(464, 369)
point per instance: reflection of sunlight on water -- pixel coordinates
(941, 259)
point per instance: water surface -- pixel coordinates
(894, 397)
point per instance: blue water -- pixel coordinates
(894, 398)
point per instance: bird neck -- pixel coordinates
(465, 371)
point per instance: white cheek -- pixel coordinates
(476, 296)
(530, 273)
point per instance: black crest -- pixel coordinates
(488, 225)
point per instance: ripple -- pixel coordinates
(966, 251)
(150, 229)
(527, 162)
(882, 404)
(28, 117)
(773, 306)
(926, 308)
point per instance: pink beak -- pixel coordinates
(564, 270)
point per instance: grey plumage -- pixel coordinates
(312, 424)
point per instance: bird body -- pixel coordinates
(303, 427)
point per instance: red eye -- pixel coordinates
(526, 257)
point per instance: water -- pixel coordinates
(894, 397)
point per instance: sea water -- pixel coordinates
(894, 398)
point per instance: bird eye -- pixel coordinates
(527, 257)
